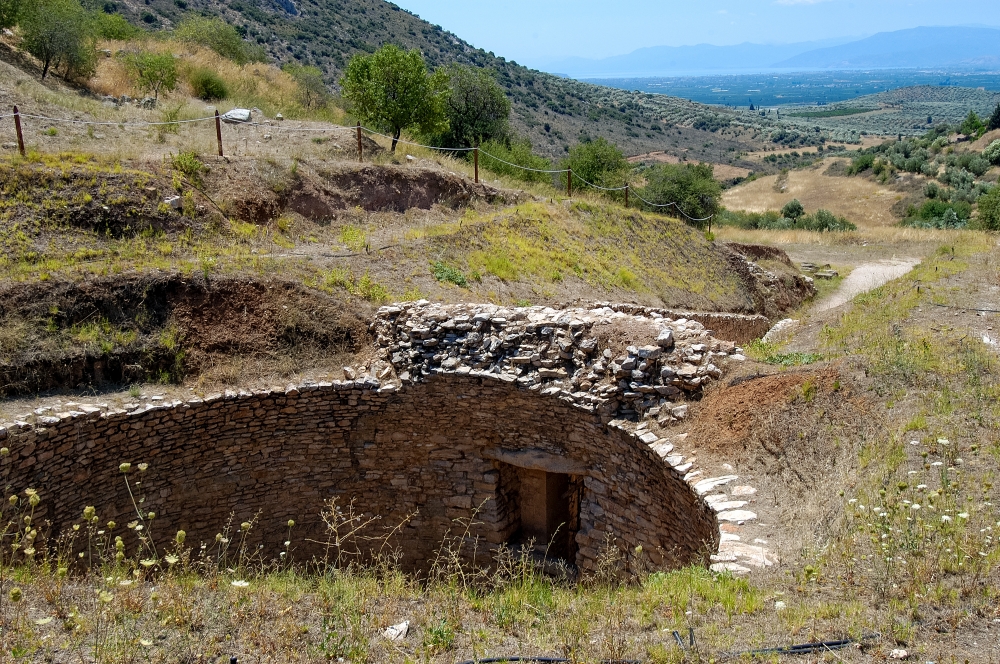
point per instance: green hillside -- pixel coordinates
(553, 112)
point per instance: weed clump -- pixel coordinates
(207, 85)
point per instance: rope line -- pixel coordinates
(370, 131)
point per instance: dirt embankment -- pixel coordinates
(115, 331)
(258, 191)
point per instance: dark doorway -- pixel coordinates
(549, 511)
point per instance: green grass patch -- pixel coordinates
(448, 274)
(769, 353)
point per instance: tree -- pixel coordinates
(391, 90)
(992, 153)
(597, 162)
(219, 36)
(10, 12)
(971, 125)
(793, 210)
(477, 108)
(691, 187)
(989, 210)
(152, 71)
(58, 32)
(994, 121)
(312, 89)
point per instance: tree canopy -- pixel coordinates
(994, 121)
(692, 187)
(793, 209)
(152, 72)
(391, 90)
(597, 162)
(476, 107)
(989, 210)
(58, 33)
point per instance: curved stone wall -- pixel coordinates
(421, 454)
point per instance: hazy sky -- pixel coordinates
(533, 32)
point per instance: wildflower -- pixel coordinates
(131, 525)
(13, 500)
(142, 467)
(62, 572)
(171, 559)
(291, 523)
(218, 537)
(179, 538)
(151, 516)
(780, 606)
(915, 506)
(963, 515)
(34, 499)
(125, 467)
(638, 550)
(16, 595)
(240, 583)
(30, 492)
(945, 518)
(89, 513)
(943, 441)
(111, 525)
(4, 451)
(245, 525)
(105, 597)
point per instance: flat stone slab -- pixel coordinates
(737, 515)
(743, 490)
(726, 505)
(710, 483)
(731, 567)
(757, 556)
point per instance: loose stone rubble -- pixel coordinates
(564, 352)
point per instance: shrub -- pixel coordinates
(793, 209)
(447, 273)
(219, 36)
(861, 163)
(989, 210)
(189, 164)
(152, 72)
(208, 85)
(992, 153)
(312, 89)
(692, 187)
(477, 108)
(115, 27)
(519, 153)
(596, 162)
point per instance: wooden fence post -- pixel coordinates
(475, 159)
(218, 131)
(360, 152)
(569, 182)
(17, 126)
(626, 195)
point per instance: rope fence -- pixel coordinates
(476, 151)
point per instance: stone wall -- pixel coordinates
(418, 455)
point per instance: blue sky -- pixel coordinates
(534, 32)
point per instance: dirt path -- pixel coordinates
(863, 278)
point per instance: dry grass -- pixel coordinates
(883, 235)
(862, 201)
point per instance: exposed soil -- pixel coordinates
(160, 328)
(258, 191)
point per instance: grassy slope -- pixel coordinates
(925, 579)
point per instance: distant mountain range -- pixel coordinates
(973, 48)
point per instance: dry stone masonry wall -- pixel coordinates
(601, 359)
(470, 407)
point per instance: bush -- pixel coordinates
(207, 85)
(939, 213)
(822, 221)
(793, 209)
(992, 153)
(861, 163)
(152, 72)
(519, 153)
(596, 162)
(447, 273)
(312, 89)
(692, 187)
(972, 125)
(477, 108)
(989, 210)
(219, 36)
(114, 26)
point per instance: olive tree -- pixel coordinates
(793, 210)
(477, 108)
(59, 33)
(391, 90)
(152, 72)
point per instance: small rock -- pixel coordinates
(174, 202)
(680, 412)
(744, 490)
(349, 373)
(737, 516)
(279, 117)
(897, 653)
(665, 339)
(397, 632)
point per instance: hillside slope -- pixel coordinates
(553, 112)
